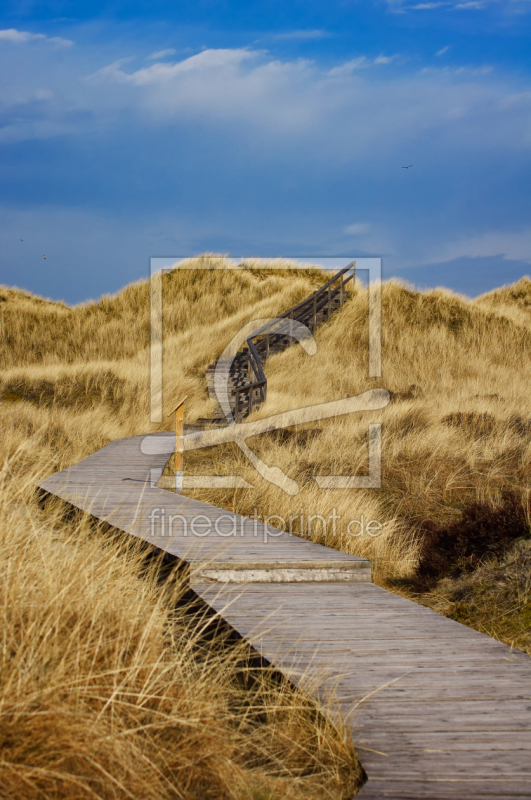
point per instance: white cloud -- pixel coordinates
(349, 66)
(381, 59)
(403, 6)
(443, 50)
(237, 84)
(161, 54)
(468, 72)
(357, 228)
(342, 115)
(206, 61)
(20, 37)
(361, 62)
(486, 69)
(347, 111)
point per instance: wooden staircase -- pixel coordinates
(246, 380)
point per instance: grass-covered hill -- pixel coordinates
(453, 514)
(512, 302)
(456, 448)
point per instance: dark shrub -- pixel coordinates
(481, 532)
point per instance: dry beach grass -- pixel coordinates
(101, 697)
(456, 447)
(109, 687)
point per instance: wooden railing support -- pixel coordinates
(179, 432)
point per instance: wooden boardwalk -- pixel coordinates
(115, 485)
(437, 710)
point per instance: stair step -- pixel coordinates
(236, 374)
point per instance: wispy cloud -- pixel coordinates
(381, 59)
(20, 37)
(465, 71)
(361, 62)
(206, 61)
(161, 54)
(403, 6)
(443, 50)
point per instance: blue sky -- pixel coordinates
(136, 130)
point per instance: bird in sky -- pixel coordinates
(22, 240)
(44, 258)
(407, 167)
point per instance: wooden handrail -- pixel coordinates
(313, 297)
(320, 299)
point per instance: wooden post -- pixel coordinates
(179, 431)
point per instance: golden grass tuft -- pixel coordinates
(109, 689)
